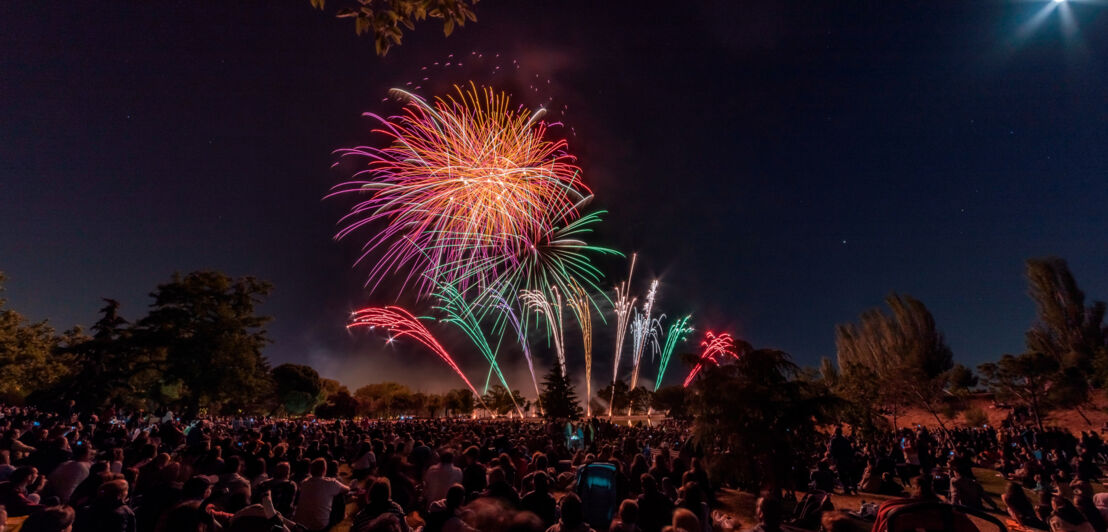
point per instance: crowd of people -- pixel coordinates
(136, 471)
(918, 464)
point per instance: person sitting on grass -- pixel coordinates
(1020, 507)
(768, 512)
(967, 491)
(380, 502)
(1067, 518)
(445, 515)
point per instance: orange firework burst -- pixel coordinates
(466, 187)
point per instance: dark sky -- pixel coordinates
(782, 166)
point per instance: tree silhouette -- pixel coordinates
(903, 352)
(1067, 331)
(1025, 379)
(559, 399)
(206, 325)
(297, 387)
(760, 416)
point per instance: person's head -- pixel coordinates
(232, 466)
(22, 476)
(281, 471)
(692, 494)
(113, 490)
(629, 511)
(768, 511)
(51, 519)
(82, 452)
(541, 481)
(572, 512)
(380, 490)
(318, 467)
(455, 496)
(922, 487)
(649, 484)
(446, 458)
(685, 520)
(497, 476)
(196, 488)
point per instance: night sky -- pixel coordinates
(782, 166)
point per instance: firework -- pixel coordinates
(560, 259)
(400, 323)
(643, 330)
(578, 301)
(468, 185)
(538, 303)
(678, 331)
(460, 314)
(712, 350)
(510, 315)
(623, 307)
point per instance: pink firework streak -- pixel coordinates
(714, 348)
(401, 323)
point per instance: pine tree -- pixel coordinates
(559, 400)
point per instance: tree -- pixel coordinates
(383, 399)
(905, 350)
(620, 395)
(433, 404)
(206, 325)
(961, 380)
(340, 405)
(1067, 331)
(297, 386)
(558, 398)
(329, 387)
(29, 356)
(760, 419)
(459, 402)
(1025, 379)
(387, 19)
(109, 368)
(672, 400)
(501, 402)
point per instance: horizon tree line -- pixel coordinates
(199, 350)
